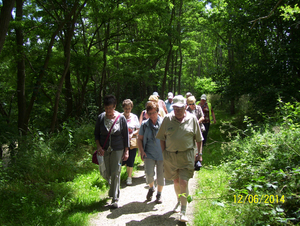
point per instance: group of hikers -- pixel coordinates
(169, 136)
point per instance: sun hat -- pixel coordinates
(155, 94)
(179, 101)
(153, 98)
(191, 99)
(170, 95)
(188, 94)
(203, 97)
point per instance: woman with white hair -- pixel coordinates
(196, 110)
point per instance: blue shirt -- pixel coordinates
(169, 106)
(151, 144)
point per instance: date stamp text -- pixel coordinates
(269, 199)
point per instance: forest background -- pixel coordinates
(60, 58)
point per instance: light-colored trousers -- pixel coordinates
(150, 171)
(113, 164)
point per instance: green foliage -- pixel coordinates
(288, 12)
(266, 162)
(189, 198)
(52, 180)
(204, 85)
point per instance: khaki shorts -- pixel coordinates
(179, 165)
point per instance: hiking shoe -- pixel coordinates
(177, 208)
(150, 194)
(129, 181)
(183, 217)
(158, 199)
(114, 204)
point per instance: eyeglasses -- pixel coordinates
(178, 108)
(192, 104)
(152, 113)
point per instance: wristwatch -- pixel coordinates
(199, 153)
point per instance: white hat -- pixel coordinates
(170, 95)
(179, 101)
(155, 94)
(203, 97)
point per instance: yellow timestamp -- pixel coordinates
(258, 199)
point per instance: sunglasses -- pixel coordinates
(192, 104)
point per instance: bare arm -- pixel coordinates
(201, 119)
(141, 117)
(213, 115)
(140, 146)
(99, 148)
(135, 133)
(199, 151)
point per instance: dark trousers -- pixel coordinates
(206, 125)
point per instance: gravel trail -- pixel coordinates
(134, 210)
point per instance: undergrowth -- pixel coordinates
(51, 180)
(251, 173)
(264, 165)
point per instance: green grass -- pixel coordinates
(53, 188)
(211, 206)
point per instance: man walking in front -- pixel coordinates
(179, 136)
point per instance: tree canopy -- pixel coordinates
(60, 58)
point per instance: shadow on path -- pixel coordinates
(164, 219)
(132, 208)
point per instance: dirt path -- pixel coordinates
(134, 210)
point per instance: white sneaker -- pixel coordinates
(114, 204)
(183, 217)
(177, 208)
(129, 181)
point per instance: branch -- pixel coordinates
(265, 17)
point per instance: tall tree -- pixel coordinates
(5, 18)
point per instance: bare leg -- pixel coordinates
(183, 190)
(129, 171)
(177, 188)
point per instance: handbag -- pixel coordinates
(94, 157)
(133, 142)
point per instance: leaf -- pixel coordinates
(280, 210)
(249, 187)
(189, 198)
(218, 203)
(269, 185)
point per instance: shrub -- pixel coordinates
(267, 163)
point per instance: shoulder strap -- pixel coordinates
(111, 129)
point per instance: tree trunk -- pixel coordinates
(102, 91)
(68, 94)
(179, 44)
(180, 68)
(37, 86)
(5, 18)
(231, 71)
(169, 55)
(67, 53)
(20, 69)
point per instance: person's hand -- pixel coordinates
(125, 155)
(143, 154)
(100, 151)
(198, 157)
(215, 121)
